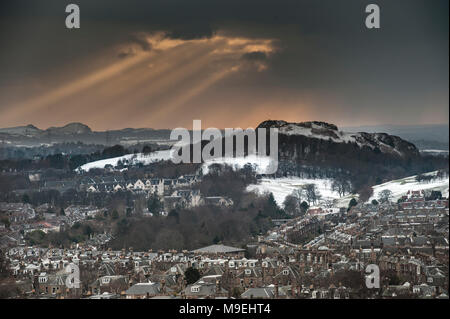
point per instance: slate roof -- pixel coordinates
(218, 249)
(265, 292)
(144, 288)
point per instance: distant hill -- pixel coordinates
(29, 130)
(322, 150)
(30, 135)
(377, 142)
(71, 128)
(423, 136)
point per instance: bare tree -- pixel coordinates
(385, 196)
(299, 194)
(312, 193)
(342, 186)
(328, 203)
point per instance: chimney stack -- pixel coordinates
(276, 290)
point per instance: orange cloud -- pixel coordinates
(151, 77)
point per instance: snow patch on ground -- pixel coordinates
(400, 187)
(282, 187)
(132, 159)
(293, 129)
(261, 164)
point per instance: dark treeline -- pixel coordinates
(78, 233)
(12, 182)
(165, 169)
(71, 197)
(69, 160)
(197, 227)
(224, 181)
(72, 148)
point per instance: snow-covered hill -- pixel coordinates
(261, 164)
(320, 130)
(129, 159)
(71, 128)
(29, 130)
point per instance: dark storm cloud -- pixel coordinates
(135, 39)
(338, 23)
(123, 54)
(141, 41)
(255, 56)
(325, 51)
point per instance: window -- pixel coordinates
(248, 272)
(195, 289)
(285, 272)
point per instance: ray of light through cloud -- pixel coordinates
(152, 78)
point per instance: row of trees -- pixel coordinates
(441, 174)
(70, 158)
(78, 233)
(298, 202)
(197, 227)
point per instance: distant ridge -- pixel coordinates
(30, 135)
(31, 130)
(71, 128)
(427, 132)
(383, 142)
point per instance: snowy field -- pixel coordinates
(261, 164)
(132, 159)
(281, 187)
(399, 187)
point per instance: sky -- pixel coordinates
(162, 64)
